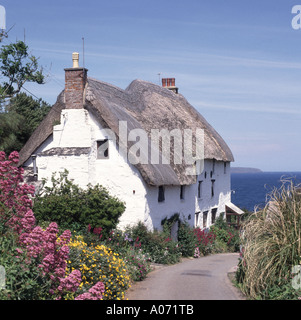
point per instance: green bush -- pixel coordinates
(138, 263)
(226, 237)
(69, 205)
(159, 245)
(187, 239)
(23, 276)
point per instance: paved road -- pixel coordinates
(198, 279)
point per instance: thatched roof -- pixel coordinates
(142, 105)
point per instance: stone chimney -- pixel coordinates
(170, 83)
(75, 81)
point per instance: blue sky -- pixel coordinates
(237, 62)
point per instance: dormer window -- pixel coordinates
(103, 149)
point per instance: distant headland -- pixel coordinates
(245, 170)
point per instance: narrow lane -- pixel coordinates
(197, 279)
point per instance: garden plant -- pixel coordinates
(64, 244)
(271, 253)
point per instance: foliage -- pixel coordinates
(19, 113)
(18, 67)
(68, 204)
(98, 263)
(187, 240)
(20, 118)
(272, 247)
(23, 280)
(205, 240)
(15, 197)
(158, 245)
(137, 262)
(226, 237)
(35, 262)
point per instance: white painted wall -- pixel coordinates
(79, 128)
(191, 204)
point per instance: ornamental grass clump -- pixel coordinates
(272, 246)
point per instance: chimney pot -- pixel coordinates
(170, 83)
(75, 59)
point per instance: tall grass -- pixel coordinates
(272, 245)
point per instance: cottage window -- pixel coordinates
(196, 219)
(200, 189)
(205, 215)
(212, 188)
(182, 193)
(213, 215)
(225, 167)
(161, 196)
(103, 149)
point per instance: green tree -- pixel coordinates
(17, 67)
(20, 118)
(19, 114)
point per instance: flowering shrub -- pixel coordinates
(38, 257)
(197, 253)
(98, 263)
(138, 264)
(205, 240)
(15, 200)
(158, 245)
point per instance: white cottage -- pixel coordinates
(146, 144)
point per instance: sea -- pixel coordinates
(251, 190)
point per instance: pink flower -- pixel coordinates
(95, 293)
(71, 282)
(28, 221)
